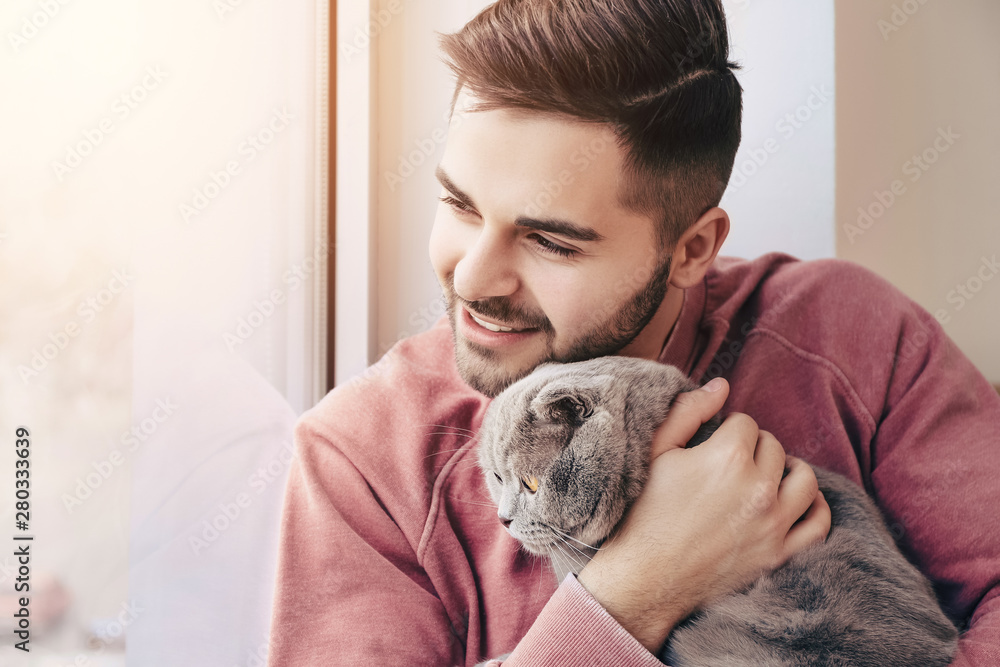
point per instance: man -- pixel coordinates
(579, 218)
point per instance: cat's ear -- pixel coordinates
(568, 401)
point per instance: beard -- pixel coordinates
(610, 329)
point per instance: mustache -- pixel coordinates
(499, 308)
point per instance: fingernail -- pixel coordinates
(713, 385)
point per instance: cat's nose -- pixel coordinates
(505, 521)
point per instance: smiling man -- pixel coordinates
(589, 147)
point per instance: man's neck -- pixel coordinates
(650, 341)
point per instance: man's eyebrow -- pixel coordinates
(570, 230)
(565, 228)
(444, 180)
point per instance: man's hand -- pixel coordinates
(709, 521)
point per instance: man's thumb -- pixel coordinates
(688, 412)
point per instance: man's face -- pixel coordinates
(529, 236)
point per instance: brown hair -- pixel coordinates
(657, 71)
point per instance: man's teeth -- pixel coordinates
(491, 327)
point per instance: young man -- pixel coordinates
(587, 154)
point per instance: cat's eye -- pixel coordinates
(499, 478)
(530, 483)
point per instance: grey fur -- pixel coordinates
(584, 430)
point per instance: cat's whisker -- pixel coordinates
(582, 554)
(467, 464)
(572, 538)
(562, 551)
(457, 428)
(472, 502)
(555, 558)
(454, 435)
(539, 589)
(444, 451)
(569, 556)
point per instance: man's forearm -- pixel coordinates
(650, 624)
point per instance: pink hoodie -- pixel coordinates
(391, 552)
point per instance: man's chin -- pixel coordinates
(487, 375)
(486, 370)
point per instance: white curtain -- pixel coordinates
(163, 261)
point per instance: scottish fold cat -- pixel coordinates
(565, 452)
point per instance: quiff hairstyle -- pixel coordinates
(656, 71)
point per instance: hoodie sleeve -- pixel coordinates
(350, 589)
(574, 630)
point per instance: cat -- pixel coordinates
(565, 452)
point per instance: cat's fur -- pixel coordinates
(584, 431)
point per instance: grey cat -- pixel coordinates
(565, 452)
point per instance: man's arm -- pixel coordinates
(935, 472)
(709, 520)
(350, 589)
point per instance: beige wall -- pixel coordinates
(902, 81)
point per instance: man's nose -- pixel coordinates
(487, 269)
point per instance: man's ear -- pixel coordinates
(697, 248)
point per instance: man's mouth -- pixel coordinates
(494, 327)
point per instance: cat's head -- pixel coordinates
(565, 449)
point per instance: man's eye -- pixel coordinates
(548, 246)
(459, 206)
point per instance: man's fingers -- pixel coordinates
(769, 455)
(798, 489)
(811, 528)
(689, 411)
(802, 501)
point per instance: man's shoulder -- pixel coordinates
(415, 362)
(782, 291)
(791, 274)
(820, 323)
(381, 441)
(826, 312)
